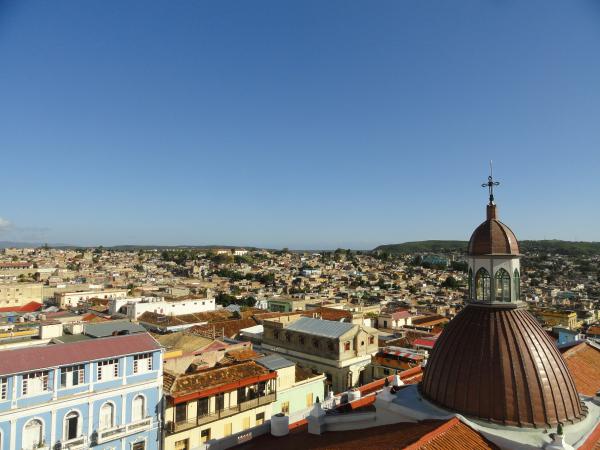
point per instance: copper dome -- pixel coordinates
(492, 237)
(498, 364)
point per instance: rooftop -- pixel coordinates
(274, 362)
(222, 377)
(431, 434)
(184, 341)
(318, 327)
(583, 361)
(52, 355)
(109, 328)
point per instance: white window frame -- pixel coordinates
(139, 441)
(68, 374)
(113, 410)
(35, 383)
(142, 363)
(39, 438)
(133, 405)
(3, 390)
(79, 424)
(107, 369)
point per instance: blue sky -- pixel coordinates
(301, 124)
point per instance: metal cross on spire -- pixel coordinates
(491, 183)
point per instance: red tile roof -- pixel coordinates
(430, 435)
(594, 330)
(29, 307)
(187, 387)
(452, 435)
(43, 357)
(90, 317)
(583, 361)
(401, 315)
(593, 440)
(427, 342)
(329, 313)
(410, 376)
(5, 265)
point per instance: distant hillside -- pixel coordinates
(545, 246)
(423, 246)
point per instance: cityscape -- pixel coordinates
(299, 225)
(181, 348)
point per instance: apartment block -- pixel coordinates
(103, 393)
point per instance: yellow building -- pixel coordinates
(216, 403)
(19, 294)
(554, 318)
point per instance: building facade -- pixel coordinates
(102, 393)
(297, 388)
(66, 300)
(210, 405)
(135, 307)
(19, 294)
(340, 350)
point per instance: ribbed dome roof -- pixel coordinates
(498, 364)
(492, 237)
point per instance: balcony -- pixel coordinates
(258, 401)
(176, 427)
(124, 430)
(79, 443)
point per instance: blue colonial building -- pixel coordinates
(103, 393)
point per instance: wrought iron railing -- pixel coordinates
(182, 425)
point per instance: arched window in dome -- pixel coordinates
(502, 286)
(470, 282)
(482, 285)
(517, 282)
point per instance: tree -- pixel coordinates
(450, 282)
(225, 299)
(461, 266)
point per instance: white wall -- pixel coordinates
(66, 300)
(172, 308)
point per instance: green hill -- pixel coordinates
(544, 246)
(423, 246)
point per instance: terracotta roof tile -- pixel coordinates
(228, 328)
(583, 361)
(594, 330)
(213, 378)
(28, 307)
(430, 434)
(452, 435)
(329, 314)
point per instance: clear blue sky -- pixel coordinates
(304, 124)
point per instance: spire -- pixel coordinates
(491, 206)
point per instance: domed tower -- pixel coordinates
(493, 361)
(494, 269)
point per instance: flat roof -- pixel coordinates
(105, 329)
(274, 362)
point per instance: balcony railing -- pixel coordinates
(124, 430)
(79, 443)
(176, 427)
